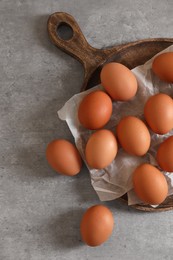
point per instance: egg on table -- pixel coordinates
(63, 157)
(96, 225)
(119, 82)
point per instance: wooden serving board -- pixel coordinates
(130, 54)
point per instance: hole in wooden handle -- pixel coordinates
(64, 31)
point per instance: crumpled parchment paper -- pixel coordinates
(115, 180)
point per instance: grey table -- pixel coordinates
(40, 211)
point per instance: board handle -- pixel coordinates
(77, 46)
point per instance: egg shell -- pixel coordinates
(133, 135)
(96, 225)
(63, 157)
(158, 112)
(101, 149)
(95, 110)
(118, 81)
(165, 155)
(150, 184)
(163, 66)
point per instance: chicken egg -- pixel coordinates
(101, 149)
(96, 225)
(150, 184)
(158, 112)
(133, 135)
(95, 110)
(163, 66)
(118, 81)
(165, 155)
(63, 157)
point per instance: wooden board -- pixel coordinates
(130, 54)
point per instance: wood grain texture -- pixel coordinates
(130, 54)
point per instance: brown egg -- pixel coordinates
(95, 110)
(150, 184)
(63, 157)
(133, 135)
(158, 112)
(165, 155)
(101, 149)
(162, 66)
(96, 225)
(119, 81)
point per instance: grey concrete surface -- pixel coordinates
(40, 211)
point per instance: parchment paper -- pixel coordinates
(115, 180)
